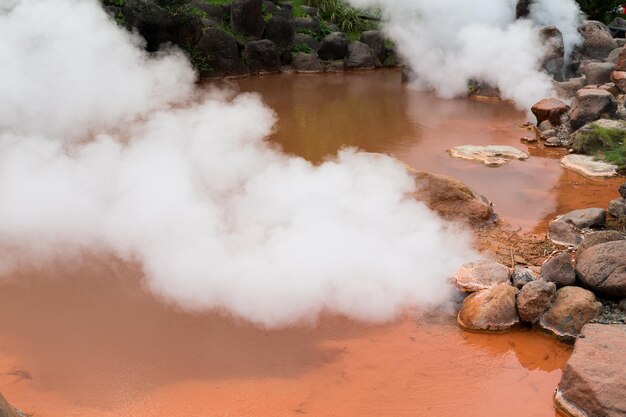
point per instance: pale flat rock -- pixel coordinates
(480, 275)
(490, 155)
(588, 166)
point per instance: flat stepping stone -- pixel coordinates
(490, 155)
(480, 275)
(589, 166)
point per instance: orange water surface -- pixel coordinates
(87, 339)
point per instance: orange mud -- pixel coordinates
(87, 340)
(91, 342)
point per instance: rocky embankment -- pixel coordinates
(229, 38)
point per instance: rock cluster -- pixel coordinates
(252, 36)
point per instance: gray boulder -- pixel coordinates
(246, 17)
(285, 10)
(622, 190)
(223, 53)
(262, 56)
(309, 11)
(591, 105)
(159, 25)
(614, 56)
(522, 276)
(375, 39)
(567, 229)
(333, 46)
(597, 40)
(306, 63)
(306, 24)
(617, 208)
(593, 382)
(280, 31)
(359, 56)
(596, 238)
(553, 61)
(569, 88)
(308, 40)
(602, 268)
(571, 310)
(534, 299)
(559, 270)
(598, 73)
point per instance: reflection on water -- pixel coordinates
(375, 112)
(87, 340)
(96, 344)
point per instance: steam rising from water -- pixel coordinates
(450, 42)
(104, 149)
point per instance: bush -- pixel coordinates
(346, 17)
(602, 10)
(606, 143)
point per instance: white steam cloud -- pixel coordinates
(105, 149)
(448, 42)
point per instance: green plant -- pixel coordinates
(302, 47)
(297, 12)
(602, 10)
(604, 142)
(200, 60)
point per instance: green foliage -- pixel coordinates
(195, 11)
(346, 17)
(302, 47)
(266, 14)
(605, 143)
(241, 38)
(297, 12)
(200, 61)
(218, 2)
(118, 3)
(602, 10)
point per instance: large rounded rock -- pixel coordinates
(559, 270)
(596, 238)
(553, 60)
(493, 309)
(592, 104)
(359, 56)
(550, 109)
(375, 39)
(593, 382)
(451, 198)
(159, 25)
(567, 229)
(333, 47)
(534, 299)
(572, 309)
(480, 275)
(597, 40)
(281, 32)
(246, 17)
(307, 63)
(598, 73)
(306, 24)
(617, 208)
(223, 53)
(308, 40)
(262, 56)
(603, 268)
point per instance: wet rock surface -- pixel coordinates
(594, 378)
(490, 155)
(493, 309)
(617, 208)
(559, 270)
(375, 39)
(589, 166)
(451, 198)
(307, 63)
(602, 268)
(223, 53)
(262, 56)
(480, 275)
(572, 309)
(534, 299)
(333, 46)
(246, 17)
